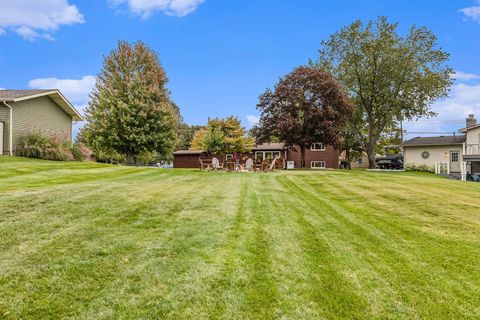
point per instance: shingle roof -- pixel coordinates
(269, 146)
(435, 141)
(15, 94)
(186, 152)
(54, 94)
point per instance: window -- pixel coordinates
(318, 146)
(317, 165)
(454, 156)
(266, 155)
(229, 157)
(360, 160)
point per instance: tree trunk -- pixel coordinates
(371, 152)
(347, 159)
(302, 156)
(129, 158)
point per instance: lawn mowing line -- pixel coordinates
(262, 296)
(334, 296)
(243, 287)
(344, 237)
(434, 212)
(177, 298)
(42, 213)
(63, 179)
(437, 261)
(114, 239)
(420, 187)
(290, 270)
(12, 171)
(402, 271)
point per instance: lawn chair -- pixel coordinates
(271, 167)
(217, 165)
(249, 165)
(205, 165)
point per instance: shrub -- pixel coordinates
(108, 156)
(147, 157)
(419, 168)
(77, 153)
(42, 145)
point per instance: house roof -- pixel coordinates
(464, 130)
(187, 152)
(54, 94)
(269, 146)
(435, 141)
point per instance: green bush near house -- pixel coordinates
(47, 146)
(419, 168)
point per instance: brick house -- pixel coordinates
(318, 156)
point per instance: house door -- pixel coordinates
(1, 138)
(454, 161)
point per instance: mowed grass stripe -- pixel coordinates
(109, 242)
(403, 261)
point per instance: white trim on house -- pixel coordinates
(57, 97)
(313, 146)
(274, 154)
(320, 164)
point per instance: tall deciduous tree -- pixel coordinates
(390, 78)
(130, 111)
(307, 106)
(222, 135)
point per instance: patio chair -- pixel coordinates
(205, 165)
(217, 165)
(249, 165)
(271, 167)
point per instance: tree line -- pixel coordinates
(366, 80)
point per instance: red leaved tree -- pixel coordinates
(307, 106)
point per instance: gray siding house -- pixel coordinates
(456, 151)
(25, 110)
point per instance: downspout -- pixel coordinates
(10, 129)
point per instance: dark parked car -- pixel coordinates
(392, 162)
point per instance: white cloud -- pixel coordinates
(464, 76)
(37, 19)
(145, 8)
(75, 90)
(464, 100)
(252, 120)
(472, 13)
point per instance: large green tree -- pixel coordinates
(308, 105)
(390, 78)
(222, 136)
(130, 111)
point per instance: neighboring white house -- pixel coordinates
(453, 150)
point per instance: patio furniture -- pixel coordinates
(271, 167)
(230, 166)
(205, 164)
(217, 165)
(265, 165)
(249, 166)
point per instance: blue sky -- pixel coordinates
(220, 55)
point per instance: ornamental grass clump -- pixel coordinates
(44, 145)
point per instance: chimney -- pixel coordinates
(471, 121)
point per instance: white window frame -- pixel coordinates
(322, 166)
(451, 156)
(313, 147)
(264, 153)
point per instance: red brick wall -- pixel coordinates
(330, 156)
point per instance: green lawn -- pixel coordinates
(93, 241)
